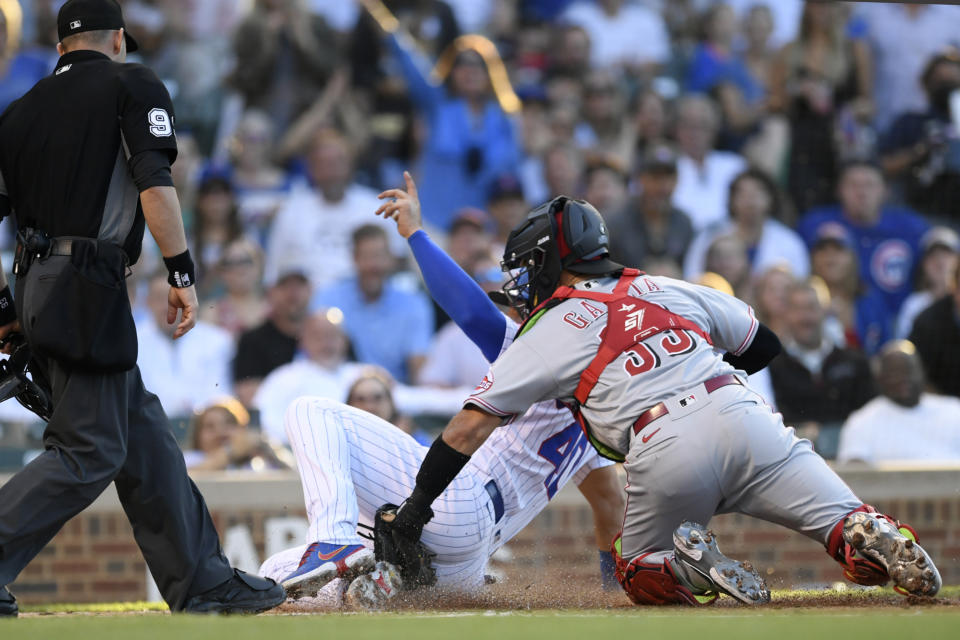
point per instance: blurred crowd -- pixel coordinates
(802, 156)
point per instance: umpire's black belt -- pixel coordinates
(496, 499)
(64, 246)
(34, 245)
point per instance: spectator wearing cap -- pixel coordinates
(507, 207)
(186, 373)
(936, 277)
(387, 326)
(755, 204)
(630, 36)
(817, 384)
(469, 238)
(314, 226)
(321, 368)
(936, 334)
(274, 342)
(857, 315)
(703, 174)
(886, 237)
(650, 227)
(921, 150)
(904, 423)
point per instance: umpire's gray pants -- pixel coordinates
(107, 428)
(725, 452)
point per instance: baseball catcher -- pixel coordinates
(654, 369)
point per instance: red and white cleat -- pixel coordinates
(894, 547)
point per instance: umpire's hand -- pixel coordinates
(184, 299)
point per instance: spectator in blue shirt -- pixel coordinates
(471, 139)
(387, 326)
(887, 238)
(716, 70)
(19, 71)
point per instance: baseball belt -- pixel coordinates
(659, 410)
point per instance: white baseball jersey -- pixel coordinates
(351, 462)
(547, 361)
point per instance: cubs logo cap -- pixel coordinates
(77, 16)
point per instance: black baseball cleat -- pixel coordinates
(242, 593)
(705, 568)
(893, 546)
(8, 604)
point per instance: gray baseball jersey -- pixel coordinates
(547, 361)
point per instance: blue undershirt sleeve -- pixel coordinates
(462, 298)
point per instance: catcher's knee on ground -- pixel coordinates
(650, 581)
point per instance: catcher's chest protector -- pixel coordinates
(630, 320)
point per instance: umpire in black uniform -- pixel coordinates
(84, 164)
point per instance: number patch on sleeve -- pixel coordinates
(160, 125)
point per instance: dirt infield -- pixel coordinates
(503, 597)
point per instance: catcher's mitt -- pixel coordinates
(397, 541)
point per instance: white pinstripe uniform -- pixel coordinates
(352, 462)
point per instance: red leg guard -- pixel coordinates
(651, 583)
(857, 568)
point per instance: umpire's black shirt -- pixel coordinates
(78, 148)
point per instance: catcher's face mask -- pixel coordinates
(532, 260)
(561, 234)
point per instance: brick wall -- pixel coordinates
(560, 543)
(95, 559)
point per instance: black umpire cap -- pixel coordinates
(77, 16)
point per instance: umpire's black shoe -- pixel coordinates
(242, 593)
(8, 604)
